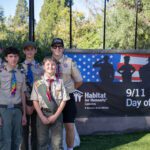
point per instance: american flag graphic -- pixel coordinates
(137, 61)
(89, 73)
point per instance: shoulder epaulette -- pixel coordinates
(68, 58)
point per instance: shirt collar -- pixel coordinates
(62, 59)
(8, 68)
(45, 77)
(32, 62)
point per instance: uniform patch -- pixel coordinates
(38, 83)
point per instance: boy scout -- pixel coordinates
(68, 71)
(12, 98)
(32, 70)
(49, 98)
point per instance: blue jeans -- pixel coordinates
(47, 132)
(11, 128)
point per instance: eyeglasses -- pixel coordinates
(57, 46)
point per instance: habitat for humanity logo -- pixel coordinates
(78, 95)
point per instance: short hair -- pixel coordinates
(48, 58)
(29, 43)
(11, 50)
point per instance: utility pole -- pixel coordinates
(31, 20)
(70, 5)
(104, 28)
(138, 8)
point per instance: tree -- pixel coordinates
(2, 25)
(1, 15)
(15, 29)
(21, 14)
(121, 25)
(50, 17)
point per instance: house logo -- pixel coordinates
(78, 95)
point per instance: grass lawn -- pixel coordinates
(131, 141)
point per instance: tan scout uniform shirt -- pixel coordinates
(36, 70)
(5, 86)
(58, 91)
(70, 73)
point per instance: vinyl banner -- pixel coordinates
(113, 84)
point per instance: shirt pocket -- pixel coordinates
(5, 83)
(58, 92)
(19, 83)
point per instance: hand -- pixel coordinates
(29, 110)
(52, 119)
(44, 120)
(24, 120)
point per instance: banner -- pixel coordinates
(114, 84)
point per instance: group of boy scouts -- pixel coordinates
(36, 100)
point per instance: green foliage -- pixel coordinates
(87, 32)
(2, 22)
(15, 30)
(49, 18)
(55, 22)
(1, 15)
(21, 15)
(121, 26)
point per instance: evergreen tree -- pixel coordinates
(21, 14)
(1, 15)
(2, 25)
(55, 21)
(50, 16)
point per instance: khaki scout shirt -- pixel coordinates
(58, 91)
(70, 73)
(5, 86)
(36, 70)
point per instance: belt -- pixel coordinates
(46, 109)
(10, 106)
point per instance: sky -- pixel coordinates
(9, 7)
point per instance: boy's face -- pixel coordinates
(12, 60)
(50, 67)
(57, 50)
(30, 52)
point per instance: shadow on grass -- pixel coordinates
(107, 142)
